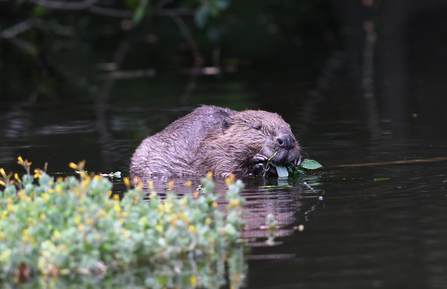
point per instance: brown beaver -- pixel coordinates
(217, 140)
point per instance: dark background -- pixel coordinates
(95, 78)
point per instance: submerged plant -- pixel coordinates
(73, 226)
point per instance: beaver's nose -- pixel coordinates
(285, 141)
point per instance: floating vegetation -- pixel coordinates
(284, 172)
(304, 166)
(54, 230)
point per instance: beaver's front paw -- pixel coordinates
(259, 165)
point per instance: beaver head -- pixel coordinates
(246, 144)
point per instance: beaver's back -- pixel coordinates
(171, 151)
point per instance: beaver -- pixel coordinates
(218, 140)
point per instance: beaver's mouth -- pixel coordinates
(266, 166)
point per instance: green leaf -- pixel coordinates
(140, 12)
(138, 15)
(39, 11)
(381, 179)
(310, 165)
(282, 171)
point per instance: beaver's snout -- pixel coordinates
(285, 141)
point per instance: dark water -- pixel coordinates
(377, 226)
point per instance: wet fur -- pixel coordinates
(215, 139)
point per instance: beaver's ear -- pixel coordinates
(257, 125)
(226, 123)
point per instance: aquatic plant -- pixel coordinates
(73, 226)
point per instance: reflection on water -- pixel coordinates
(377, 227)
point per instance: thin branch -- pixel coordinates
(162, 3)
(110, 12)
(13, 31)
(188, 37)
(65, 5)
(23, 26)
(173, 12)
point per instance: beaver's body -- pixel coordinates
(217, 140)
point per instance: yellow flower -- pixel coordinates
(2, 183)
(185, 202)
(116, 197)
(85, 183)
(126, 182)
(4, 214)
(151, 185)
(10, 208)
(45, 196)
(168, 206)
(233, 204)
(77, 192)
(170, 185)
(57, 235)
(209, 175)
(207, 221)
(31, 223)
(159, 228)
(125, 233)
(81, 227)
(153, 195)
(51, 191)
(25, 232)
(19, 160)
(117, 207)
(16, 176)
(215, 205)
(80, 210)
(193, 281)
(59, 190)
(37, 173)
(192, 229)
(188, 184)
(231, 178)
(42, 217)
(2, 236)
(109, 193)
(2, 172)
(73, 166)
(23, 196)
(89, 221)
(181, 216)
(78, 220)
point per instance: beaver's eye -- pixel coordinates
(257, 125)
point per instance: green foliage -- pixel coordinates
(71, 226)
(140, 11)
(305, 165)
(310, 165)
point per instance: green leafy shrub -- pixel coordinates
(72, 226)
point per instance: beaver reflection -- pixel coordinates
(218, 140)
